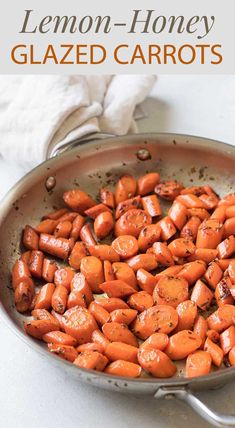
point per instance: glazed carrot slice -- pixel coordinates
(227, 200)
(200, 328)
(108, 271)
(223, 294)
(205, 254)
(112, 303)
(222, 318)
(143, 261)
(190, 229)
(59, 338)
(191, 201)
(123, 316)
(181, 247)
(198, 364)
(227, 339)
(213, 335)
(46, 226)
(231, 356)
(140, 301)
(201, 295)
(193, 190)
(178, 214)
(78, 252)
(117, 332)
(58, 247)
(107, 197)
(59, 319)
(168, 190)
(78, 200)
(230, 211)
(77, 224)
(20, 273)
(80, 324)
(155, 341)
(219, 214)
(103, 224)
(59, 299)
(229, 227)
(227, 247)
(55, 215)
(44, 297)
(167, 228)
(90, 346)
(30, 238)
(125, 246)
(170, 271)
(224, 264)
(213, 274)
(48, 270)
(76, 298)
(215, 352)
(96, 210)
(43, 314)
(80, 284)
(25, 257)
(100, 314)
(124, 273)
(104, 252)
(37, 328)
(91, 267)
(127, 205)
(146, 281)
(156, 362)
(86, 235)
(117, 288)
(131, 222)
(64, 277)
(201, 213)
(146, 183)
(121, 351)
(99, 338)
(148, 235)
(187, 312)
(159, 318)
(125, 188)
(63, 229)
(192, 271)
(65, 352)
(151, 205)
(211, 201)
(170, 290)
(182, 344)
(23, 296)
(123, 368)
(36, 263)
(210, 234)
(68, 216)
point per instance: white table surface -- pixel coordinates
(34, 394)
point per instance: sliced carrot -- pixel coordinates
(125, 246)
(117, 288)
(192, 271)
(191, 201)
(168, 190)
(201, 213)
(58, 247)
(76, 298)
(227, 247)
(104, 252)
(163, 254)
(215, 352)
(64, 277)
(80, 324)
(103, 224)
(131, 222)
(146, 281)
(213, 274)
(30, 238)
(80, 284)
(55, 215)
(229, 227)
(227, 200)
(25, 257)
(108, 271)
(200, 328)
(170, 271)
(213, 335)
(107, 197)
(43, 314)
(68, 216)
(155, 341)
(224, 264)
(201, 295)
(124, 273)
(190, 229)
(90, 346)
(92, 269)
(170, 290)
(63, 229)
(140, 301)
(222, 292)
(125, 188)
(187, 312)
(193, 190)
(48, 270)
(46, 226)
(210, 234)
(99, 338)
(78, 200)
(127, 205)
(148, 235)
(65, 352)
(146, 183)
(112, 303)
(59, 299)
(227, 339)
(181, 247)
(143, 261)
(59, 338)
(178, 214)
(123, 368)
(100, 314)
(37, 328)
(117, 332)
(86, 235)
(167, 228)
(205, 254)
(121, 351)
(222, 318)
(77, 224)
(156, 362)
(59, 319)
(151, 205)
(36, 263)
(231, 356)
(20, 272)
(23, 296)
(123, 316)
(211, 201)
(182, 344)
(78, 252)
(198, 364)
(159, 318)
(219, 213)
(96, 210)
(44, 297)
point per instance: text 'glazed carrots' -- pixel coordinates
(121, 286)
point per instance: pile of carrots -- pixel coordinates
(119, 287)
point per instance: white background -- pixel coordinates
(34, 394)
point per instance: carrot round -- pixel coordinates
(148, 235)
(222, 318)
(43, 314)
(146, 183)
(80, 284)
(121, 351)
(44, 297)
(168, 190)
(198, 364)
(78, 200)
(140, 301)
(127, 205)
(178, 214)
(92, 269)
(201, 213)
(103, 224)
(131, 222)
(46, 226)
(80, 324)
(182, 344)
(167, 228)
(107, 197)
(181, 247)
(190, 229)
(59, 338)
(210, 234)
(123, 272)
(64, 277)
(146, 281)
(125, 246)
(78, 252)
(151, 205)
(213, 274)
(159, 318)
(123, 316)
(170, 290)
(215, 352)
(156, 341)
(104, 252)
(117, 332)
(65, 352)
(76, 298)
(117, 288)
(100, 314)
(192, 271)
(163, 254)
(156, 362)
(123, 368)
(112, 303)
(201, 295)
(63, 229)
(143, 261)
(187, 312)
(125, 188)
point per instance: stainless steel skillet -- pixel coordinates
(90, 164)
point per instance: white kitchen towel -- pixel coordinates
(41, 113)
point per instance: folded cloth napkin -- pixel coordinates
(41, 113)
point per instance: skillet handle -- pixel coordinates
(184, 394)
(55, 151)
